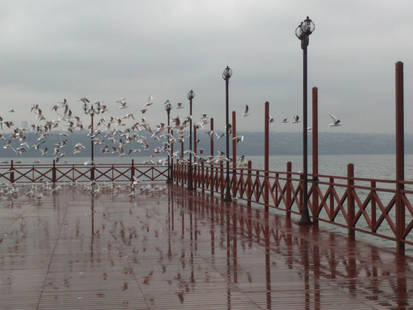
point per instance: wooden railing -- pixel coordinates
(365, 205)
(72, 173)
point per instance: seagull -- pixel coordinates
(238, 139)
(150, 101)
(122, 103)
(220, 135)
(336, 122)
(246, 111)
(271, 119)
(296, 119)
(83, 99)
(242, 162)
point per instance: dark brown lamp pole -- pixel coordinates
(168, 107)
(226, 75)
(303, 32)
(190, 96)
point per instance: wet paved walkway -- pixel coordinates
(74, 251)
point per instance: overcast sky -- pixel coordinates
(106, 50)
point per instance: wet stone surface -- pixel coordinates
(163, 248)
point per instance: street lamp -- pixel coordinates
(303, 32)
(168, 108)
(190, 96)
(226, 75)
(92, 109)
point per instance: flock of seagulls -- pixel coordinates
(122, 136)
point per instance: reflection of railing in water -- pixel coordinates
(359, 269)
(356, 204)
(24, 173)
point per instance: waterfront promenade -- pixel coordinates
(168, 249)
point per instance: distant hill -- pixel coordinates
(281, 143)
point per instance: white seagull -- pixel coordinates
(336, 122)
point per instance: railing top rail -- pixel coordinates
(320, 176)
(47, 165)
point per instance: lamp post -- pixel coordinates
(92, 135)
(303, 32)
(168, 107)
(226, 75)
(191, 95)
(92, 109)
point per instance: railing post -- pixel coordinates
(177, 171)
(92, 172)
(211, 176)
(400, 209)
(195, 163)
(203, 176)
(73, 173)
(234, 153)
(373, 206)
(183, 174)
(331, 185)
(249, 184)
(288, 190)
(11, 172)
(132, 171)
(350, 201)
(182, 149)
(315, 153)
(113, 169)
(222, 183)
(211, 141)
(53, 172)
(171, 154)
(301, 194)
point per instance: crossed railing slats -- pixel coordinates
(353, 205)
(80, 173)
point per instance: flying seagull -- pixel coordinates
(336, 122)
(296, 119)
(246, 111)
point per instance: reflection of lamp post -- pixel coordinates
(303, 32)
(190, 96)
(92, 207)
(168, 107)
(226, 75)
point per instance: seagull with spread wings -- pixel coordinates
(336, 122)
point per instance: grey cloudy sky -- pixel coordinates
(110, 49)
